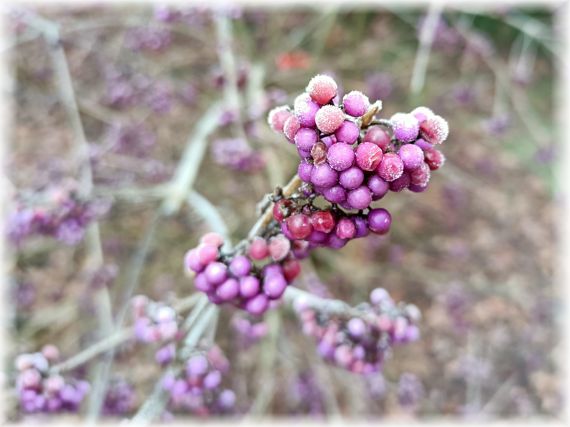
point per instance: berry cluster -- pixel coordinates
(40, 391)
(349, 163)
(331, 227)
(154, 321)
(56, 211)
(361, 342)
(198, 388)
(250, 280)
(250, 330)
(120, 398)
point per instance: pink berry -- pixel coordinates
(290, 127)
(213, 239)
(258, 249)
(405, 127)
(345, 228)
(323, 221)
(391, 167)
(279, 247)
(299, 226)
(368, 156)
(434, 158)
(322, 88)
(329, 118)
(277, 117)
(207, 253)
(377, 135)
(249, 286)
(192, 261)
(355, 103)
(421, 175)
(291, 269)
(434, 130)
(401, 183)
(422, 113)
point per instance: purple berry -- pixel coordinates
(305, 110)
(336, 194)
(379, 221)
(377, 186)
(412, 156)
(216, 273)
(405, 127)
(340, 156)
(324, 176)
(348, 132)
(257, 305)
(249, 286)
(274, 285)
(228, 290)
(401, 183)
(355, 103)
(305, 138)
(240, 266)
(359, 198)
(351, 178)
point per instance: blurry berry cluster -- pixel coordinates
(361, 342)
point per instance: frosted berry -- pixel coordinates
(434, 158)
(359, 198)
(421, 175)
(329, 118)
(434, 130)
(405, 127)
(368, 156)
(378, 136)
(277, 117)
(305, 138)
(340, 156)
(279, 247)
(305, 109)
(355, 103)
(322, 89)
(422, 113)
(351, 178)
(348, 132)
(412, 156)
(290, 127)
(324, 176)
(401, 183)
(391, 167)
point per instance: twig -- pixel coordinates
(424, 49)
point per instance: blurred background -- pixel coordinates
(131, 87)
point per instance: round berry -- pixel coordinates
(258, 248)
(207, 253)
(336, 194)
(305, 110)
(405, 127)
(340, 156)
(391, 167)
(322, 89)
(422, 113)
(368, 156)
(324, 176)
(336, 242)
(348, 132)
(277, 117)
(378, 136)
(401, 183)
(323, 221)
(216, 273)
(361, 227)
(305, 138)
(377, 186)
(290, 127)
(434, 130)
(228, 290)
(379, 221)
(421, 175)
(257, 305)
(274, 285)
(279, 247)
(351, 178)
(202, 284)
(240, 266)
(345, 228)
(291, 269)
(412, 156)
(299, 226)
(282, 208)
(213, 239)
(248, 286)
(329, 118)
(423, 144)
(359, 198)
(192, 261)
(356, 327)
(355, 103)
(434, 158)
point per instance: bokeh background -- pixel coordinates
(132, 86)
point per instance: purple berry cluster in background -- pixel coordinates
(198, 389)
(361, 341)
(40, 390)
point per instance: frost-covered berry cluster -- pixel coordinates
(349, 162)
(362, 341)
(198, 388)
(41, 391)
